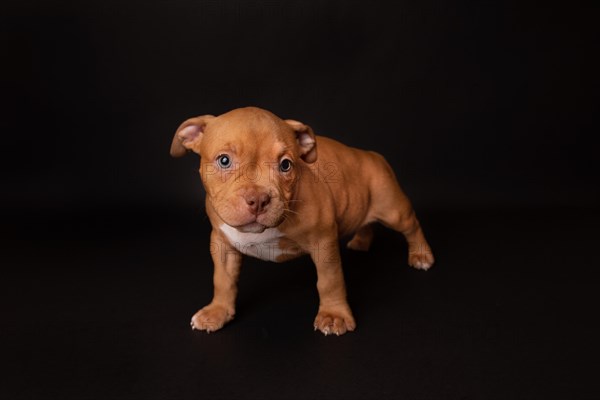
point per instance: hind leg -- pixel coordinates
(394, 210)
(362, 238)
(419, 252)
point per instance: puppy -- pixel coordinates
(276, 191)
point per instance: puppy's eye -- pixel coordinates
(285, 165)
(224, 161)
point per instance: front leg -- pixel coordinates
(227, 262)
(334, 314)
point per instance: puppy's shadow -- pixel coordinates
(379, 275)
(286, 288)
(373, 279)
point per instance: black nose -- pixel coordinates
(257, 202)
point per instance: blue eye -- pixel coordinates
(224, 161)
(285, 165)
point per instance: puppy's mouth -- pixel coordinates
(257, 224)
(252, 227)
(237, 215)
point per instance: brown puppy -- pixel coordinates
(276, 191)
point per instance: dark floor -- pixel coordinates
(97, 305)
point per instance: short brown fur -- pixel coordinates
(330, 191)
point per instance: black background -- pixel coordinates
(484, 109)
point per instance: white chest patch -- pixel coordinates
(263, 245)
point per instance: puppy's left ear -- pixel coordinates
(306, 140)
(188, 135)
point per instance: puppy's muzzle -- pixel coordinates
(257, 201)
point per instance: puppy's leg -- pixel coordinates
(362, 238)
(227, 262)
(419, 252)
(334, 316)
(392, 208)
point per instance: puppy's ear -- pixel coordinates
(188, 135)
(306, 140)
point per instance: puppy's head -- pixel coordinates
(250, 163)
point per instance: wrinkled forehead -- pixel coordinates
(250, 132)
(245, 123)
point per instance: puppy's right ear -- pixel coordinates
(188, 135)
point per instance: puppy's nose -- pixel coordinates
(257, 202)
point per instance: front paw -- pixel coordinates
(211, 318)
(335, 320)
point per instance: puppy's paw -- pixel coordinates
(211, 318)
(359, 244)
(362, 239)
(335, 320)
(420, 258)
